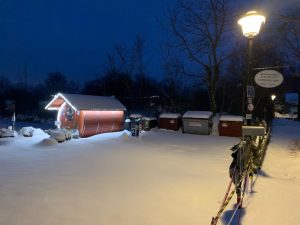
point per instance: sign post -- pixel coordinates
(250, 106)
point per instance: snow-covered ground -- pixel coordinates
(161, 178)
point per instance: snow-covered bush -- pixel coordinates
(68, 134)
(6, 133)
(30, 131)
(58, 135)
(26, 131)
(48, 142)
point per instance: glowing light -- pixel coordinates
(273, 97)
(56, 97)
(251, 23)
(53, 108)
(60, 111)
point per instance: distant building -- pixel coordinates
(292, 100)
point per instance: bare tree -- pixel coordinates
(201, 30)
(290, 33)
(138, 53)
(290, 30)
(175, 82)
(130, 61)
(119, 59)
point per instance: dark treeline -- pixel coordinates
(155, 96)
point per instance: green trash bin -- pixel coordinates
(135, 120)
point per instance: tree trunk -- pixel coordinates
(299, 105)
(211, 84)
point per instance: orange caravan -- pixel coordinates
(89, 114)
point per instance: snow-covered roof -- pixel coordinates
(231, 118)
(198, 114)
(170, 115)
(85, 102)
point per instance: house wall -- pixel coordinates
(97, 122)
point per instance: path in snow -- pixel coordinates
(276, 199)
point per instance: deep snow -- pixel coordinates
(161, 178)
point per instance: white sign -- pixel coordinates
(248, 116)
(268, 78)
(195, 124)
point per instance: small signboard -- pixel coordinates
(250, 107)
(268, 78)
(248, 116)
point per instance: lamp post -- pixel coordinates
(250, 24)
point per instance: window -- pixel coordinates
(70, 114)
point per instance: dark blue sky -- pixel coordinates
(72, 36)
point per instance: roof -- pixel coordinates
(198, 114)
(231, 118)
(86, 102)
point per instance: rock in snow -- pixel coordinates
(48, 142)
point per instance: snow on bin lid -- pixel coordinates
(231, 118)
(149, 118)
(134, 116)
(170, 115)
(198, 114)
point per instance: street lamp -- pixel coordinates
(273, 97)
(250, 24)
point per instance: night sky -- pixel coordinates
(73, 36)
